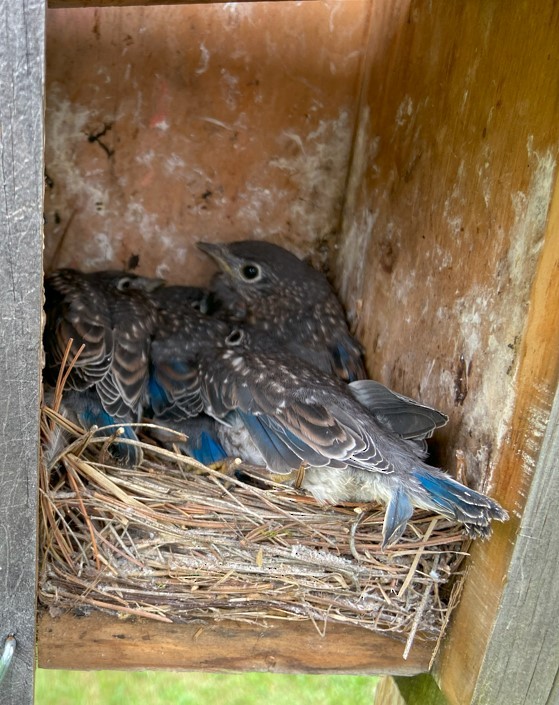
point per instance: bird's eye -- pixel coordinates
(236, 337)
(251, 272)
(124, 284)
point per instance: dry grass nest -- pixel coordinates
(173, 540)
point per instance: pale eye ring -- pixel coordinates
(124, 283)
(236, 337)
(251, 272)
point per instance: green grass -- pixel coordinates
(158, 688)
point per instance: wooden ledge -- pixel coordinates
(146, 3)
(103, 642)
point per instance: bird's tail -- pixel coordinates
(86, 408)
(206, 449)
(453, 500)
(199, 437)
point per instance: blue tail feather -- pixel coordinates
(158, 399)
(90, 413)
(206, 449)
(398, 512)
(455, 501)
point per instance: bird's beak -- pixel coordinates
(218, 253)
(148, 284)
(153, 284)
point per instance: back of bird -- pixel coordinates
(110, 319)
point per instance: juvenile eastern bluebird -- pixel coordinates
(299, 417)
(270, 291)
(111, 314)
(264, 286)
(184, 334)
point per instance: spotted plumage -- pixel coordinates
(272, 293)
(270, 290)
(111, 315)
(184, 335)
(298, 416)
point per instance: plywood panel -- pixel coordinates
(168, 125)
(448, 256)
(100, 641)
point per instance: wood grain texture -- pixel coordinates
(449, 261)
(21, 218)
(103, 642)
(144, 3)
(521, 665)
(521, 662)
(167, 125)
(415, 690)
(526, 477)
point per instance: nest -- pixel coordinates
(174, 541)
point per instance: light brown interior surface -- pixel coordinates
(167, 125)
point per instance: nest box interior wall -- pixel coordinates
(407, 145)
(166, 125)
(447, 206)
(448, 252)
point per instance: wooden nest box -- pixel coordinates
(410, 149)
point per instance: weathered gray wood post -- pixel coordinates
(22, 66)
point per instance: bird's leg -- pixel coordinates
(262, 476)
(228, 466)
(300, 475)
(360, 511)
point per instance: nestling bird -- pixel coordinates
(183, 333)
(269, 289)
(110, 313)
(288, 415)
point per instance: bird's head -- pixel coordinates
(125, 281)
(257, 270)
